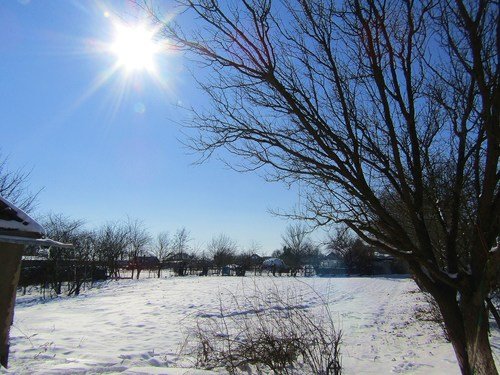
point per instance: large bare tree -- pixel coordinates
(387, 111)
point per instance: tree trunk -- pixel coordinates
(467, 328)
(476, 324)
(448, 306)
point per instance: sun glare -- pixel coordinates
(135, 48)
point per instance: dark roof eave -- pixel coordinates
(33, 241)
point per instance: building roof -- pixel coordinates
(333, 256)
(19, 228)
(15, 222)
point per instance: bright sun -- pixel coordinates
(135, 48)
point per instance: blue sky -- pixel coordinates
(102, 152)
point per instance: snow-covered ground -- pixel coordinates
(138, 327)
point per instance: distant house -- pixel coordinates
(145, 262)
(148, 262)
(274, 262)
(332, 264)
(382, 263)
(256, 259)
(122, 263)
(180, 256)
(385, 264)
(332, 260)
(275, 265)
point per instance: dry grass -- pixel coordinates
(267, 333)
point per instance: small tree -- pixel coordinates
(223, 250)
(180, 248)
(244, 261)
(161, 249)
(138, 240)
(67, 264)
(298, 247)
(111, 244)
(357, 256)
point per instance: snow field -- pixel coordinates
(139, 327)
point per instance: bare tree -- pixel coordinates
(254, 247)
(138, 240)
(161, 249)
(180, 242)
(14, 186)
(65, 264)
(223, 250)
(296, 237)
(387, 112)
(252, 258)
(358, 257)
(297, 248)
(340, 240)
(111, 244)
(180, 248)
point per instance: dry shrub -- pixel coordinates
(268, 332)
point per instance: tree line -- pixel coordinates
(115, 246)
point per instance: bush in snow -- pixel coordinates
(268, 332)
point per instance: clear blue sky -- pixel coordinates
(102, 152)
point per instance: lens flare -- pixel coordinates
(135, 48)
